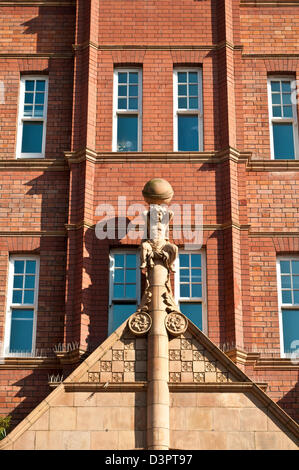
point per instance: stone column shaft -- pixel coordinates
(158, 391)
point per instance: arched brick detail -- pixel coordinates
(281, 65)
(123, 57)
(286, 244)
(33, 65)
(187, 57)
(23, 244)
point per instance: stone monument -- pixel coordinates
(158, 315)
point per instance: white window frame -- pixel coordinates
(117, 112)
(178, 111)
(11, 306)
(22, 119)
(112, 300)
(274, 119)
(191, 300)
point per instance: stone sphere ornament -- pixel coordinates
(157, 191)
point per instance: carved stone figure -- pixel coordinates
(158, 218)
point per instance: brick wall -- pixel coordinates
(236, 47)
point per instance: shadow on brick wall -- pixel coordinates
(289, 403)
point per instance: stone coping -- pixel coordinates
(269, 3)
(30, 3)
(41, 164)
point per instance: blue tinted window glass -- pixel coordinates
(276, 111)
(184, 290)
(28, 297)
(182, 77)
(286, 296)
(131, 275)
(28, 98)
(184, 261)
(32, 137)
(182, 90)
(193, 90)
(286, 98)
(122, 90)
(283, 141)
(133, 103)
(119, 260)
(19, 267)
(286, 87)
(287, 111)
(193, 311)
(285, 267)
(127, 133)
(119, 275)
(196, 275)
(193, 103)
(275, 98)
(133, 90)
(296, 298)
(196, 290)
(196, 261)
(295, 267)
(290, 321)
(120, 312)
(29, 85)
(193, 77)
(17, 297)
(30, 267)
(21, 331)
(29, 282)
(130, 291)
(133, 77)
(295, 282)
(38, 111)
(182, 103)
(39, 98)
(28, 111)
(286, 282)
(184, 275)
(18, 282)
(40, 85)
(118, 291)
(122, 103)
(122, 77)
(188, 133)
(275, 86)
(131, 261)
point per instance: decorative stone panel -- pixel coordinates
(125, 361)
(189, 361)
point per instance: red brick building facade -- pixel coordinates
(245, 54)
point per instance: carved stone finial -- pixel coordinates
(157, 191)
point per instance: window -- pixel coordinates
(127, 110)
(124, 295)
(32, 117)
(22, 297)
(190, 287)
(288, 296)
(283, 119)
(188, 132)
